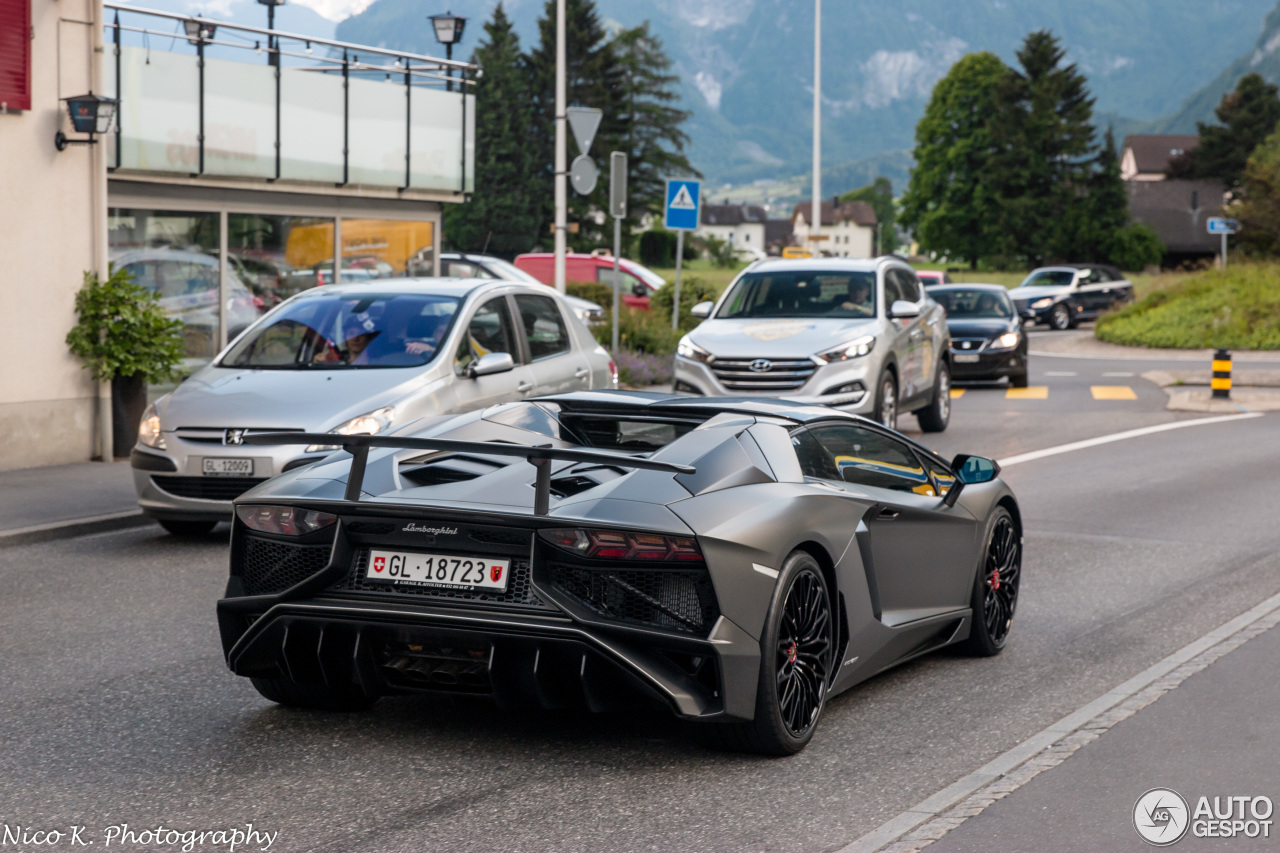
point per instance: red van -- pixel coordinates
(638, 283)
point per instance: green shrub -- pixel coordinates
(121, 330)
(1237, 308)
(1135, 247)
(692, 291)
(658, 248)
(642, 331)
(592, 291)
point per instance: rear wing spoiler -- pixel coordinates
(539, 457)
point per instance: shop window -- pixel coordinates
(278, 256)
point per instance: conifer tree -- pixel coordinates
(1248, 115)
(503, 212)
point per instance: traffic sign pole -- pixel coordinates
(618, 208)
(1224, 250)
(675, 303)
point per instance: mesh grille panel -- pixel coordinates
(519, 592)
(269, 567)
(671, 599)
(207, 488)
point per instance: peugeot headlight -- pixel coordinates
(856, 348)
(1042, 303)
(1008, 340)
(688, 349)
(368, 424)
(149, 429)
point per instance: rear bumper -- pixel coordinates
(551, 661)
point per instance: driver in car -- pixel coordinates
(857, 297)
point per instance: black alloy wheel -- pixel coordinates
(995, 591)
(1060, 317)
(796, 666)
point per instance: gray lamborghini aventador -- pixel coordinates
(738, 561)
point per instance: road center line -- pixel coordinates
(1121, 436)
(1049, 747)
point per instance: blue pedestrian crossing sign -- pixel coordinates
(682, 205)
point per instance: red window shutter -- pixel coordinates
(15, 54)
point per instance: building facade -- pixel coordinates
(848, 229)
(243, 166)
(740, 225)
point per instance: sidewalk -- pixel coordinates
(1081, 343)
(37, 504)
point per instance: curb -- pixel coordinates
(74, 527)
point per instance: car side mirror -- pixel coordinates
(702, 310)
(970, 470)
(639, 290)
(901, 309)
(490, 363)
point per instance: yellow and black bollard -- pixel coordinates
(1221, 382)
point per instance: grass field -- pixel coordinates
(1236, 308)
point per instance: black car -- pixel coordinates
(735, 561)
(1062, 296)
(987, 340)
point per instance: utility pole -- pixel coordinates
(562, 199)
(816, 227)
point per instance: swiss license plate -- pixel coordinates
(219, 467)
(965, 358)
(442, 570)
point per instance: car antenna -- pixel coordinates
(485, 250)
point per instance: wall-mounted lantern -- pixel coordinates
(199, 32)
(91, 114)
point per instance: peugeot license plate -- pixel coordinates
(442, 570)
(218, 467)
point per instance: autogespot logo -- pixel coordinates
(1161, 817)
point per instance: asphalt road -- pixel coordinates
(116, 706)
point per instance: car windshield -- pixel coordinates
(973, 303)
(648, 276)
(327, 331)
(509, 271)
(802, 293)
(1049, 278)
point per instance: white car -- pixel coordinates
(368, 357)
(857, 335)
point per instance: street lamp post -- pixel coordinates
(448, 29)
(816, 228)
(273, 53)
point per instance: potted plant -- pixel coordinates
(124, 336)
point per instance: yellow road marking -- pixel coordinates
(1031, 392)
(1112, 392)
(957, 393)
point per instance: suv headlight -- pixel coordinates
(688, 349)
(1042, 303)
(1008, 340)
(856, 348)
(149, 429)
(371, 423)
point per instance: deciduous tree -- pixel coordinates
(879, 195)
(949, 201)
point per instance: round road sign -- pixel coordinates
(583, 174)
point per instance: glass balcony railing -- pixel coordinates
(225, 100)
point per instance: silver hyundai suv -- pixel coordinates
(858, 335)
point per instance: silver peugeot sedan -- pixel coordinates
(858, 335)
(353, 358)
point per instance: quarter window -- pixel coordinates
(544, 328)
(868, 458)
(892, 290)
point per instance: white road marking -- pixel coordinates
(1061, 373)
(1050, 746)
(765, 570)
(1117, 374)
(1121, 436)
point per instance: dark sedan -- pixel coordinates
(1062, 296)
(987, 339)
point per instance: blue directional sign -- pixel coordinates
(1219, 225)
(682, 204)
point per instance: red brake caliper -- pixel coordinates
(792, 651)
(995, 580)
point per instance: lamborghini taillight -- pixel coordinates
(624, 545)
